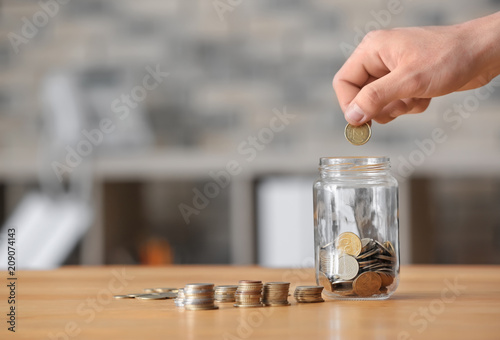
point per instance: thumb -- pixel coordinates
(373, 97)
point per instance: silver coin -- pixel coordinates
(309, 288)
(348, 267)
(227, 287)
(133, 295)
(365, 242)
(169, 295)
(281, 284)
(165, 290)
(198, 301)
(199, 286)
(151, 297)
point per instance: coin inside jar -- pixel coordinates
(367, 284)
(348, 243)
(325, 282)
(386, 279)
(348, 267)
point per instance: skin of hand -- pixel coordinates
(398, 71)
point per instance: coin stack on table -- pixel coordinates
(179, 300)
(225, 293)
(249, 294)
(276, 294)
(308, 294)
(199, 296)
(353, 267)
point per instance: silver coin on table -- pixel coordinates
(165, 290)
(133, 295)
(152, 297)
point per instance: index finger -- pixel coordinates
(362, 67)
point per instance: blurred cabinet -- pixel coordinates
(456, 220)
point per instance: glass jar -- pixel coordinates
(356, 228)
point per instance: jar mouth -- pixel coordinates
(361, 164)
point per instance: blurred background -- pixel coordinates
(188, 132)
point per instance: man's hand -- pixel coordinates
(398, 71)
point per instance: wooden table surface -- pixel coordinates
(432, 302)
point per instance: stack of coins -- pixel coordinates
(249, 294)
(225, 293)
(357, 267)
(326, 259)
(179, 300)
(199, 296)
(308, 294)
(276, 294)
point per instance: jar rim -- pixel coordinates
(334, 165)
(354, 160)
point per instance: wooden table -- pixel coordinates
(432, 302)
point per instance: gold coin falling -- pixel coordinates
(358, 135)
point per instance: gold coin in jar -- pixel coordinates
(348, 243)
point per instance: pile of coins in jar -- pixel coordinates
(351, 267)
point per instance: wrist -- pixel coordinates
(482, 37)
